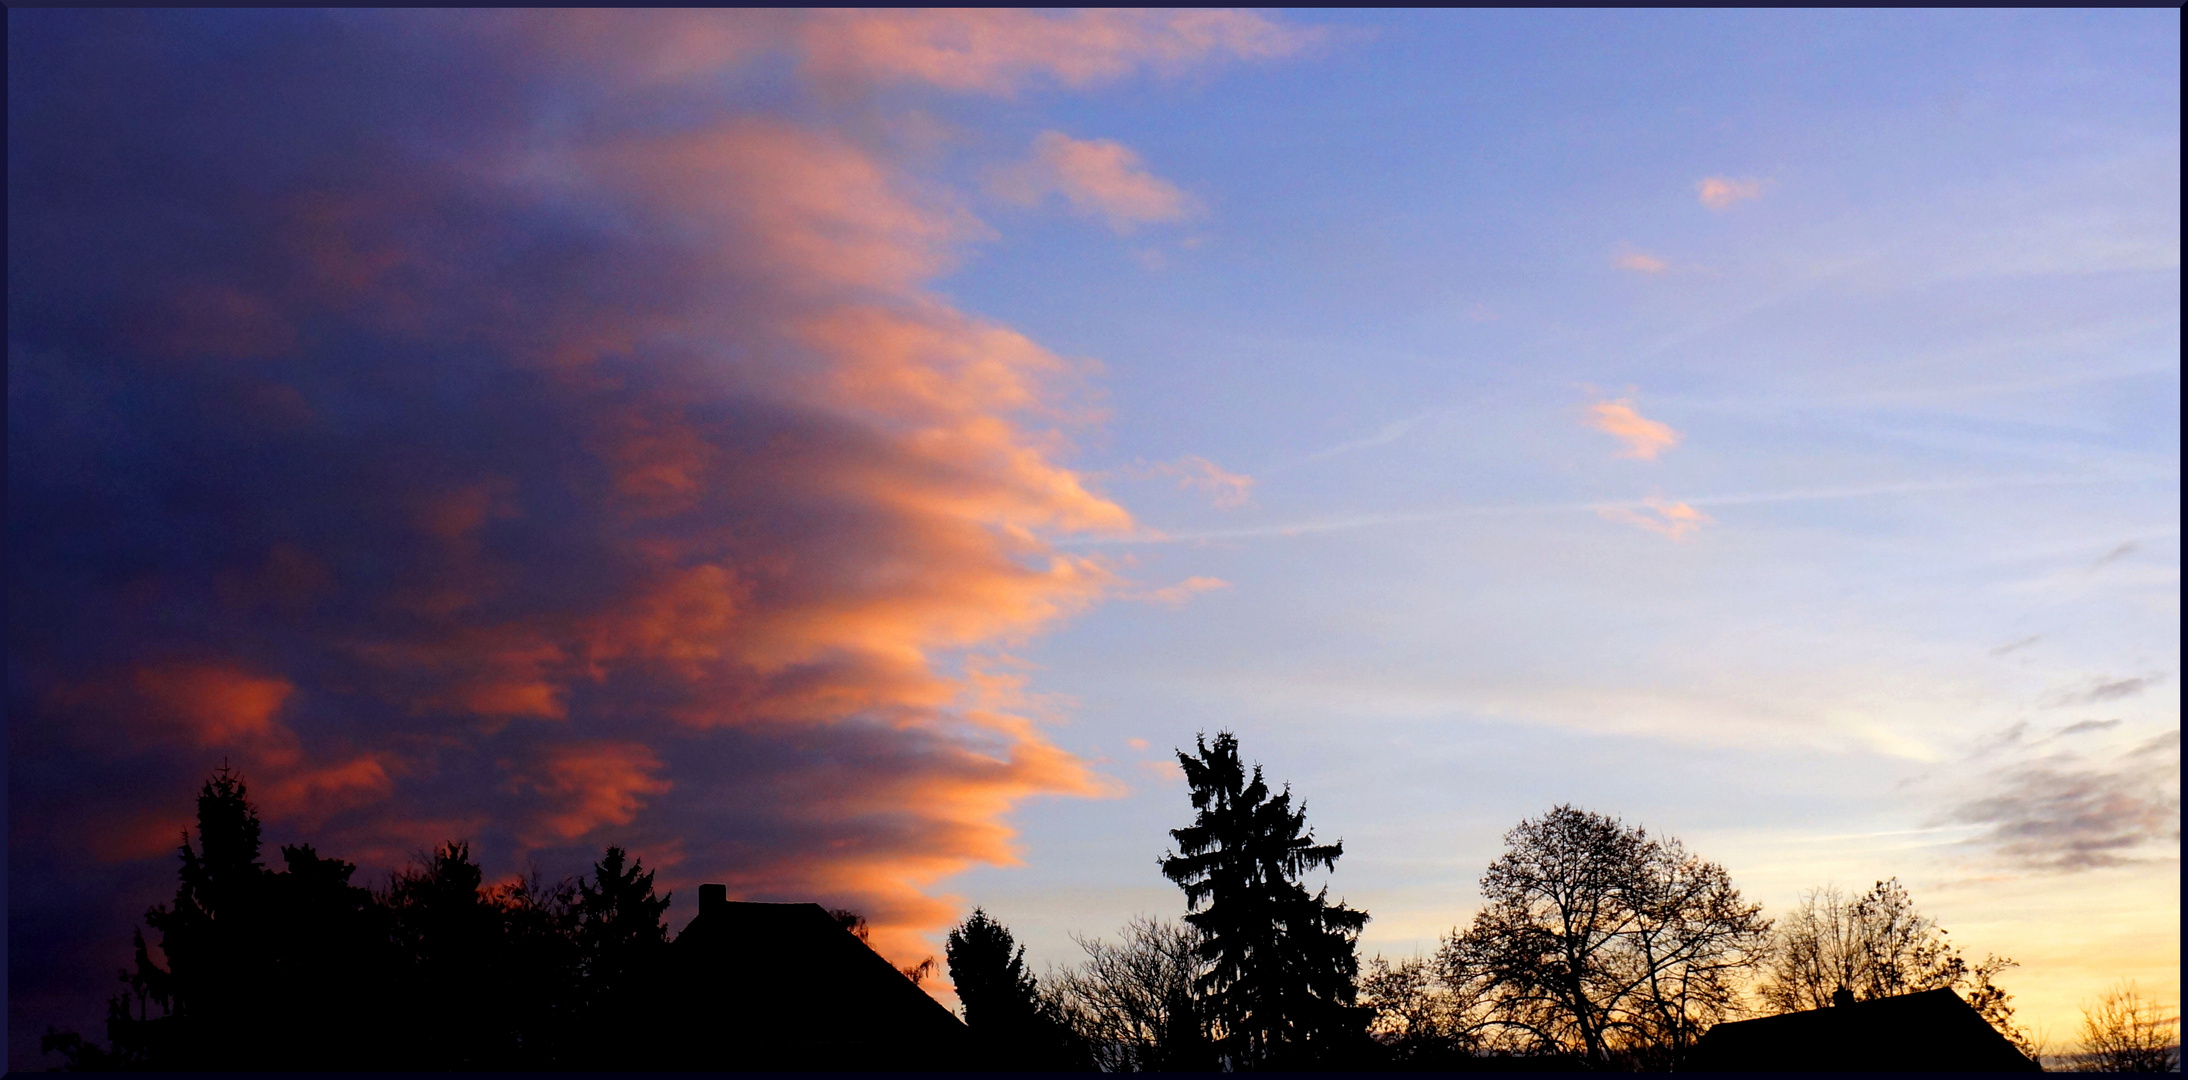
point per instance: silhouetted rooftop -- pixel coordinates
(785, 986)
(1933, 1031)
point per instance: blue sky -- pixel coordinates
(1926, 383)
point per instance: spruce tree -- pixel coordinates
(1281, 962)
(1002, 1000)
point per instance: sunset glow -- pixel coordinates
(844, 454)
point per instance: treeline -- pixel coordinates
(300, 968)
(1598, 946)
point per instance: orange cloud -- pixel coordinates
(1640, 263)
(1719, 192)
(592, 784)
(1000, 50)
(1176, 595)
(992, 51)
(672, 501)
(213, 704)
(310, 795)
(1644, 438)
(1098, 177)
(1672, 519)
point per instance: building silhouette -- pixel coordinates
(1933, 1031)
(786, 987)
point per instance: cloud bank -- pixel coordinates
(515, 427)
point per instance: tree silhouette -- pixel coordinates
(1002, 1000)
(254, 969)
(445, 931)
(1600, 941)
(1280, 961)
(2125, 1032)
(1417, 1022)
(998, 993)
(301, 969)
(1135, 1005)
(1878, 945)
(621, 944)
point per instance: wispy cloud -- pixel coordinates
(1342, 522)
(1673, 519)
(1002, 50)
(2016, 646)
(1644, 438)
(2087, 726)
(2125, 549)
(1096, 177)
(2099, 688)
(1720, 192)
(1384, 436)
(2068, 813)
(1640, 263)
(1176, 595)
(1228, 490)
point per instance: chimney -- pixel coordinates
(713, 898)
(1841, 998)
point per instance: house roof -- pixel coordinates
(1933, 1031)
(776, 986)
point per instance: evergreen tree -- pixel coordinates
(1002, 1000)
(262, 969)
(621, 944)
(1281, 962)
(250, 969)
(444, 931)
(997, 991)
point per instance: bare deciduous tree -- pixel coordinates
(1875, 946)
(1415, 1018)
(1601, 941)
(1695, 941)
(2127, 1032)
(1134, 1004)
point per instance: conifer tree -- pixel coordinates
(1281, 962)
(621, 948)
(1002, 1000)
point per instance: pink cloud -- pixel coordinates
(589, 785)
(1644, 438)
(1228, 490)
(1640, 263)
(1097, 177)
(1719, 192)
(1176, 595)
(1673, 519)
(1001, 50)
(990, 51)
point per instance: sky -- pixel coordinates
(846, 454)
